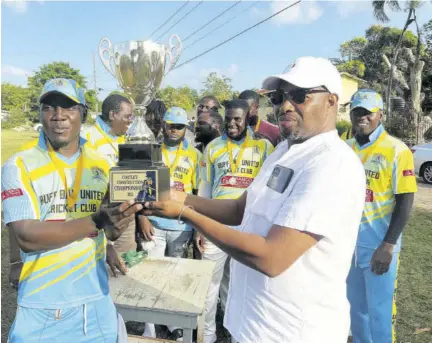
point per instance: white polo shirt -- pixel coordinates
(307, 303)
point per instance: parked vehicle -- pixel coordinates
(423, 161)
(38, 127)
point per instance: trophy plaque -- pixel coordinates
(139, 68)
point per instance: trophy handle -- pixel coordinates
(106, 61)
(174, 51)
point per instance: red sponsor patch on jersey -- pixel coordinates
(10, 193)
(408, 172)
(93, 234)
(178, 186)
(369, 195)
(236, 181)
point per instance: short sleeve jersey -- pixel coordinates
(32, 189)
(183, 161)
(389, 168)
(231, 166)
(102, 141)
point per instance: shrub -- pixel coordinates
(16, 118)
(342, 126)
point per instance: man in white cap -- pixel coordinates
(298, 220)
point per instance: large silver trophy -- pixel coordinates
(139, 68)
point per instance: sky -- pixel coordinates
(39, 32)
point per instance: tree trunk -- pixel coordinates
(415, 84)
(393, 64)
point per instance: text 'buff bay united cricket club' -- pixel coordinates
(233, 165)
(50, 189)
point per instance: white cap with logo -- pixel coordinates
(309, 72)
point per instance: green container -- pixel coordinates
(132, 257)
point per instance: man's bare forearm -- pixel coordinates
(251, 250)
(225, 211)
(33, 235)
(14, 250)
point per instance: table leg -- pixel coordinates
(200, 329)
(187, 335)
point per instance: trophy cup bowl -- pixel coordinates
(139, 68)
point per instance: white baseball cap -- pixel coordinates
(309, 72)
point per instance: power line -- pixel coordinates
(211, 20)
(178, 21)
(219, 27)
(238, 34)
(166, 21)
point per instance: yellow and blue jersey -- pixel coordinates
(99, 137)
(183, 161)
(348, 134)
(389, 168)
(227, 181)
(32, 189)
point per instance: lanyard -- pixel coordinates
(257, 125)
(235, 166)
(376, 143)
(109, 139)
(71, 199)
(166, 157)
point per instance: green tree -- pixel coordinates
(218, 86)
(353, 49)
(184, 97)
(46, 72)
(13, 97)
(353, 67)
(92, 100)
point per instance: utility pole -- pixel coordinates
(95, 84)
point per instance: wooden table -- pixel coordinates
(169, 291)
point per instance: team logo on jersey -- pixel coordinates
(256, 150)
(378, 159)
(98, 174)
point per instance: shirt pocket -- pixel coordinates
(265, 202)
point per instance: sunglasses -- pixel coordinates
(298, 95)
(175, 126)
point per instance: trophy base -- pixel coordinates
(139, 181)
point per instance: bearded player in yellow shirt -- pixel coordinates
(390, 188)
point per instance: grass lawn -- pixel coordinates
(12, 140)
(415, 280)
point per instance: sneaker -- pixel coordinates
(177, 335)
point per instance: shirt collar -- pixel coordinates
(104, 126)
(185, 145)
(372, 137)
(375, 135)
(225, 137)
(315, 140)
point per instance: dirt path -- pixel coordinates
(423, 198)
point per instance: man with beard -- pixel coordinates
(391, 184)
(166, 237)
(53, 197)
(298, 219)
(208, 127)
(229, 165)
(261, 128)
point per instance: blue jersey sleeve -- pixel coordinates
(19, 200)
